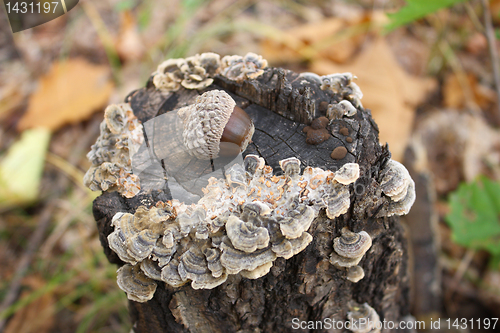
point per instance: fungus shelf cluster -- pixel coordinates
(121, 135)
(197, 72)
(241, 225)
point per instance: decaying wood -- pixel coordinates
(306, 286)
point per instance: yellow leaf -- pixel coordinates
(70, 92)
(389, 92)
(22, 167)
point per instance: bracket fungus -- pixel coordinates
(398, 185)
(265, 217)
(239, 68)
(349, 249)
(338, 110)
(355, 273)
(121, 135)
(208, 185)
(197, 72)
(342, 83)
(363, 318)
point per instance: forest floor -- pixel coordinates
(430, 85)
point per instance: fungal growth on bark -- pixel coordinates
(363, 318)
(197, 72)
(239, 68)
(225, 178)
(121, 136)
(236, 227)
(398, 185)
(349, 249)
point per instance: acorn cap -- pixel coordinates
(215, 118)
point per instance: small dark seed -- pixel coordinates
(323, 106)
(315, 137)
(338, 153)
(344, 131)
(319, 123)
(348, 139)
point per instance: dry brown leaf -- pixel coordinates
(129, 44)
(37, 316)
(454, 95)
(388, 90)
(311, 41)
(495, 10)
(70, 92)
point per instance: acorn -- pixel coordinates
(214, 126)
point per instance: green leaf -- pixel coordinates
(416, 9)
(494, 263)
(125, 5)
(22, 166)
(474, 215)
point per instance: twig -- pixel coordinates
(490, 36)
(462, 268)
(33, 244)
(459, 71)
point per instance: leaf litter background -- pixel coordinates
(429, 86)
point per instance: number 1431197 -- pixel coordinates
(32, 8)
(463, 323)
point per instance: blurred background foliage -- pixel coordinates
(425, 68)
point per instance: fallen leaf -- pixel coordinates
(22, 166)
(455, 92)
(37, 316)
(129, 44)
(389, 92)
(310, 41)
(70, 92)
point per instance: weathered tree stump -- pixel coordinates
(306, 287)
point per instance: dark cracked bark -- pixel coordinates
(306, 286)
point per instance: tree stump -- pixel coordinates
(305, 288)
